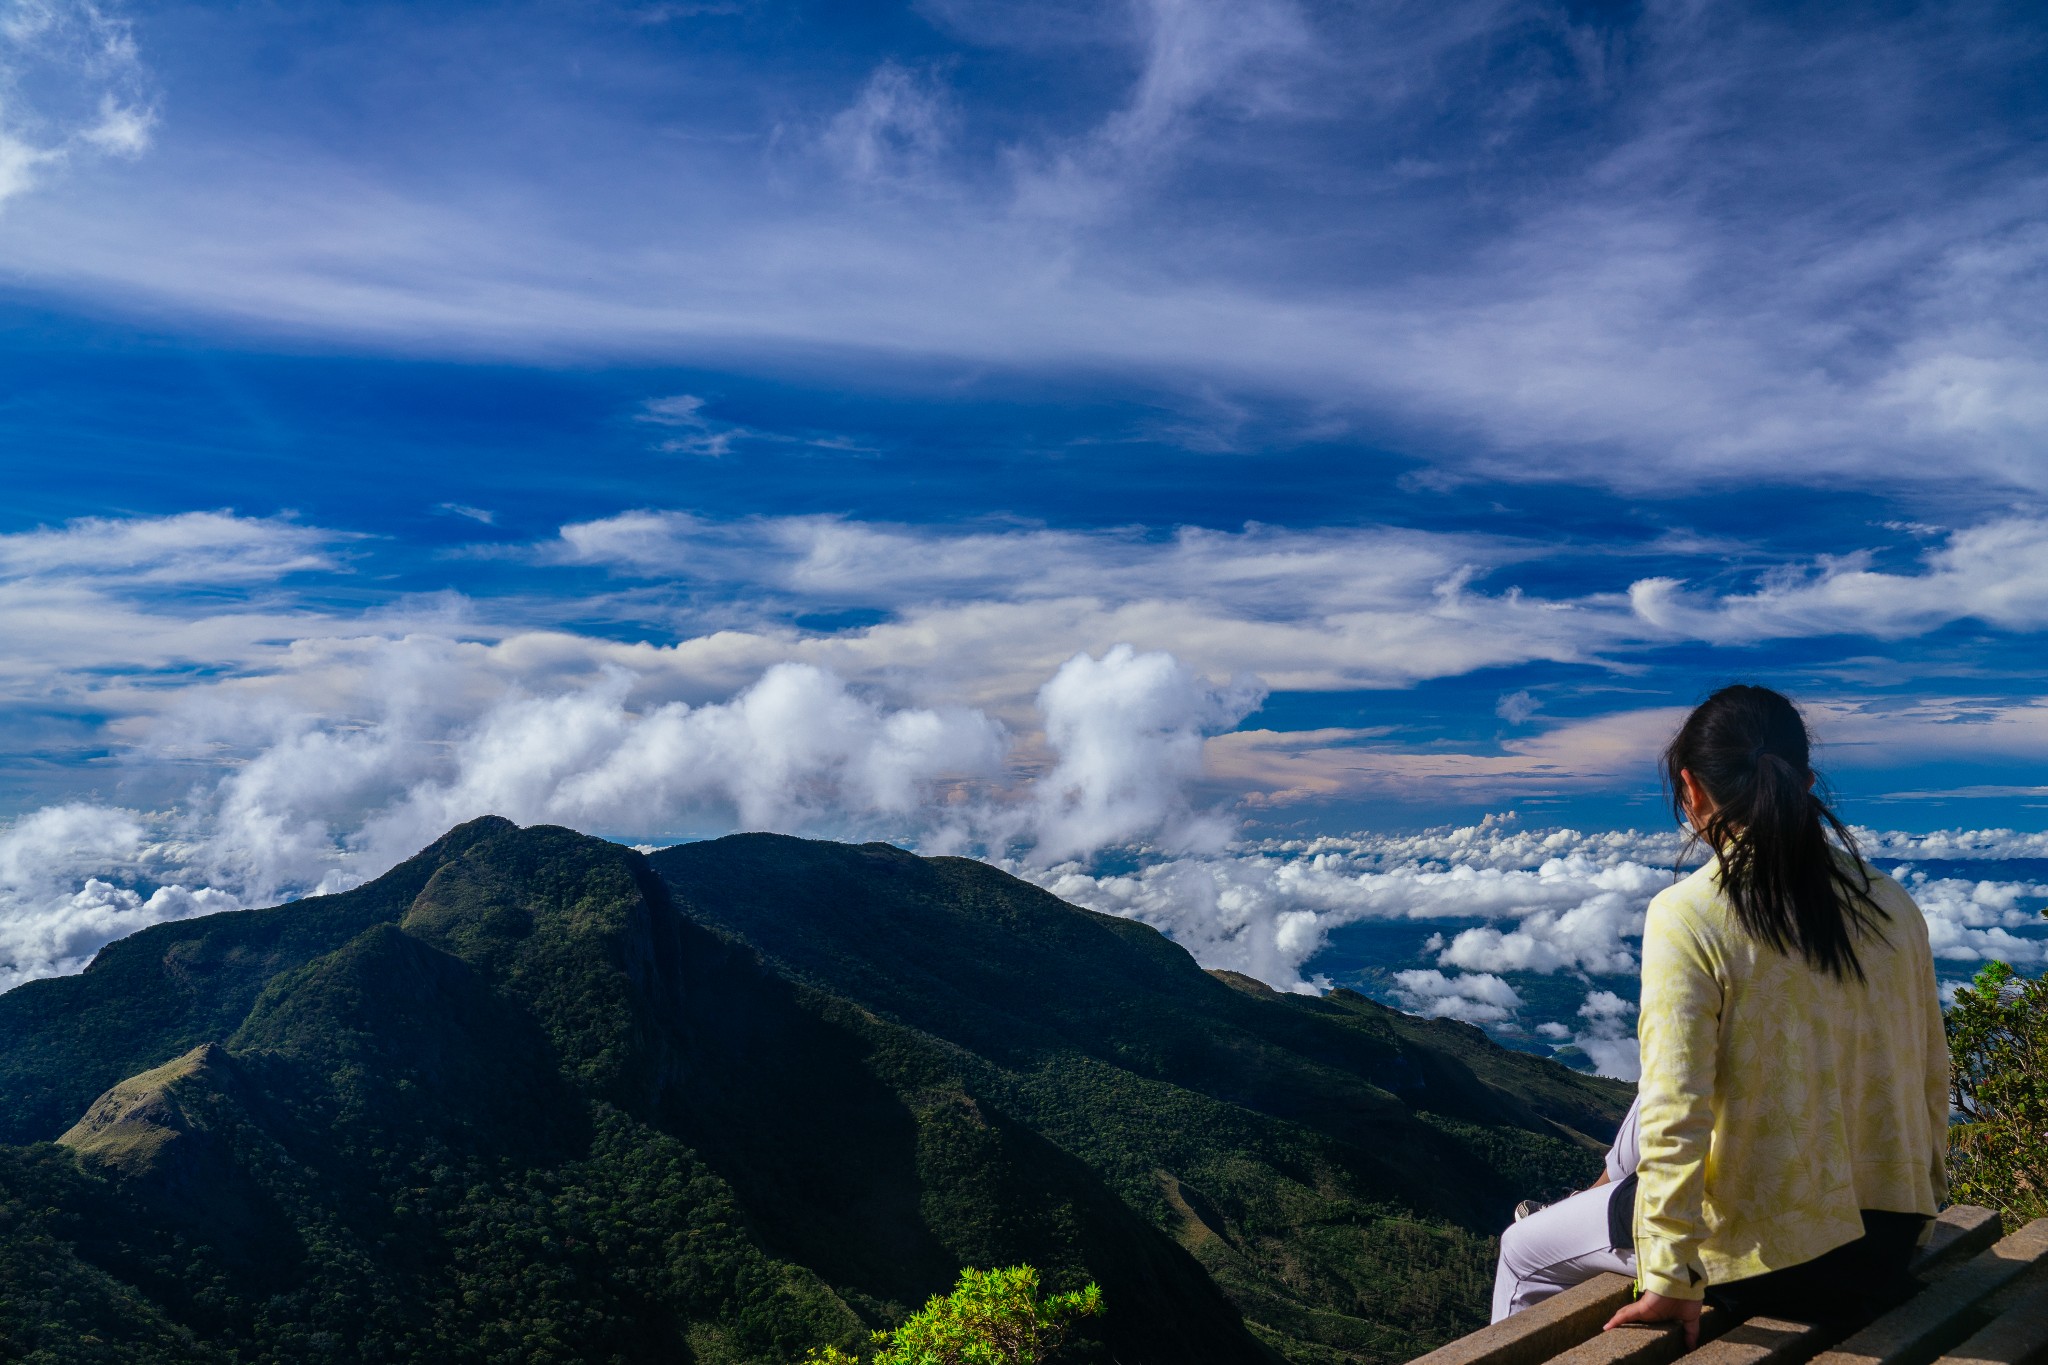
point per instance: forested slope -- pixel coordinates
(533, 1097)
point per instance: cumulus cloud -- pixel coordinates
(1971, 920)
(316, 801)
(1128, 729)
(1607, 1038)
(947, 618)
(320, 805)
(1474, 999)
(296, 748)
(57, 904)
(1589, 937)
(1955, 843)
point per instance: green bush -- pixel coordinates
(992, 1317)
(1998, 1078)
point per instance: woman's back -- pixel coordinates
(1780, 1101)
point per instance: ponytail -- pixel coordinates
(1790, 887)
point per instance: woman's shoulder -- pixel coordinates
(1694, 901)
(1700, 887)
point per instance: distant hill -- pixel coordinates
(531, 1097)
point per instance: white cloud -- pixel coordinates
(1556, 901)
(1972, 920)
(1285, 767)
(1210, 196)
(71, 82)
(1320, 609)
(1474, 999)
(1242, 55)
(1128, 730)
(188, 548)
(1607, 1037)
(1588, 937)
(314, 800)
(894, 131)
(701, 434)
(1955, 843)
(1516, 707)
(56, 908)
(1568, 901)
(323, 803)
(297, 747)
(1996, 572)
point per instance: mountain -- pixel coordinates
(533, 1097)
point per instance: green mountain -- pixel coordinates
(531, 1097)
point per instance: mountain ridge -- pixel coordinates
(880, 1067)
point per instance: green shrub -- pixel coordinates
(1998, 1078)
(992, 1317)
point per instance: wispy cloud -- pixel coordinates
(189, 548)
(1650, 248)
(1996, 573)
(1366, 607)
(71, 84)
(895, 131)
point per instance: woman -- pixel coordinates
(1793, 1107)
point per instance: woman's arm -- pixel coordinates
(1680, 1031)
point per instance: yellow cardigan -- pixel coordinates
(1777, 1101)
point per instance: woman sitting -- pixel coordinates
(1793, 1110)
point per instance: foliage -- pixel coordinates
(1998, 1051)
(992, 1317)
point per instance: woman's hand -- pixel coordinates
(1651, 1309)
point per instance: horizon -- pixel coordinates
(1096, 439)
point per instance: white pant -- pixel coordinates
(1568, 1243)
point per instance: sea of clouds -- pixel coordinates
(1559, 901)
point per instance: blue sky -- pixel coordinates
(667, 418)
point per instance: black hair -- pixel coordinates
(1747, 747)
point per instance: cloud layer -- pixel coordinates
(272, 745)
